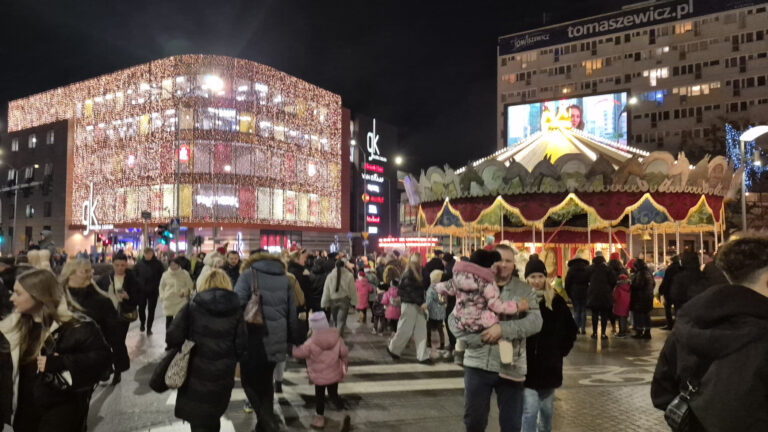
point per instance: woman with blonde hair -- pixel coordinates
(59, 355)
(545, 350)
(413, 315)
(213, 320)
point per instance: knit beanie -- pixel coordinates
(221, 250)
(599, 253)
(484, 258)
(535, 266)
(318, 321)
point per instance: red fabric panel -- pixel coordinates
(563, 237)
(431, 210)
(715, 203)
(677, 204)
(247, 203)
(470, 208)
(535, 206)
(610, 205)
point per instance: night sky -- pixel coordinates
(428, 68)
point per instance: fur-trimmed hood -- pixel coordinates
(264, 262)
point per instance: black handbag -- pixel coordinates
(128, 313)
(678, 414)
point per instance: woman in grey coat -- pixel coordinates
(267, 344)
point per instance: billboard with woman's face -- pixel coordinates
(604, 116)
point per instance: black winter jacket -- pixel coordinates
(713, 276)
(601, 282)
(411, 290)
(299, 272)
(6, 381)
(577, 279)
(83, 352)
(149, 274)
(546, 349)
(115, 334)
(99, 308)
(432, 265)
(641, 289)
(665, 289)
(320, 270)
(722, 337)
(232, 271)
(214, 321)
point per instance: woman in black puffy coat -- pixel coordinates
(52, 341)
(214, 321)
(641, 298)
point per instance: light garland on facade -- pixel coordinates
(733, 152)
(279, 136)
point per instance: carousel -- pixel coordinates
(563, 192)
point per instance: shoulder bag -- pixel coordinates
(678, 414)
(253, 313)
(157, 381)
(177, 369)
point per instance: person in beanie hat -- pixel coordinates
(327, 362)
(477, 299)
(545, 351)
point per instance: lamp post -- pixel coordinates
(750, 135)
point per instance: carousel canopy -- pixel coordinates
(570, 180)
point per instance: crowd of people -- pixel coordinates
(64, 327)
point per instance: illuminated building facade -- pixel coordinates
(250, 147)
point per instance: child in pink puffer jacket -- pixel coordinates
(364, 290)
(392, 301)
(327, 360)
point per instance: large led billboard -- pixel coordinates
(603, 115)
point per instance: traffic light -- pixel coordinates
(164, 235)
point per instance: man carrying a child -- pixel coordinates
(483, 368)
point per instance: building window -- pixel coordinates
(47, 209)
(32, 141)
(48, 170)
(30, 212)
(11, 174)
(50, 137)
(15, 145)
(29, 173)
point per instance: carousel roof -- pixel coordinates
(566, 178)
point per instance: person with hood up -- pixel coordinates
(268, 343)
(576, 286)
(214, 260)
(339, 294)
(665, 290)
(641, 298)
(600, 294)
(149, 270)
(364, 290)
(392, 303)
(327, 360)
(213, 320)
(719, 346)
(176, 287)
(688, 281)
(545, 351)
(621, 296)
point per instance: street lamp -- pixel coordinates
(15, 197)
(750, 135)
(398, 160)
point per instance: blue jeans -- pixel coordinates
(478, 386)
(580, 313)
(537, 408)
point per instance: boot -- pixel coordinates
(116, 378)
(278, 386)
(647, 334)
(346, 424)
(638, 334)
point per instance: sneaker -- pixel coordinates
(278, 387)
(247, 408)
(373, 331)
(621, 335)
(141, 328)
(646, 334)
(604, 336)
(318, 422)
(149, 332)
